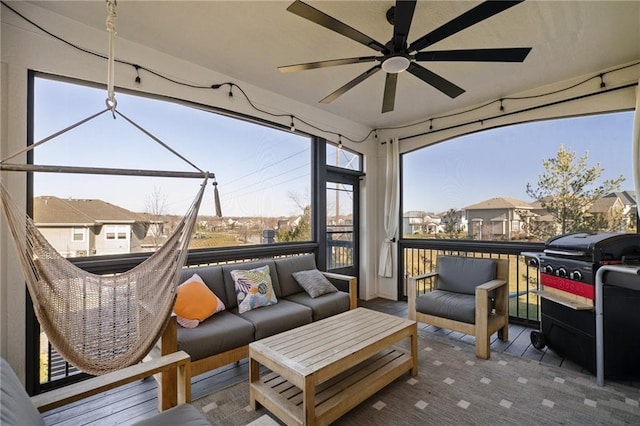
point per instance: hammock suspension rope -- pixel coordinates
(101, 323)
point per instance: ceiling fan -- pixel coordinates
(398, 55)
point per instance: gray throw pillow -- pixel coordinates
(314, 283)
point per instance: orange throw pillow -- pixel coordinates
(195, 302)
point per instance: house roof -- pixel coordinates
(414, 214)
(604, 204)
(500, 203)
(628, 198)
(49, 210)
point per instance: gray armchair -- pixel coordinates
(17, 408)
(471, 296)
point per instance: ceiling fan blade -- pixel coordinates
(479, 13)
(389, 100)
(350, 85)
(514, 54)
(314, 15)
(403, 17)
(440, 83)
(325, 64)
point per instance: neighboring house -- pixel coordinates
(611, 210)
(88, 227)
(459, 219)
(419, 222)
(630, 208)
(501, 218)
(617, 209)
(412, 222)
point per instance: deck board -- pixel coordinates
(133, 402)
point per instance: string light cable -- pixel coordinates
(291, 117)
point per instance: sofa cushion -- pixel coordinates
(229, 283)
(222, 332)
(277, 318)
(323, 306)
(286, 266)
(464, 274)
(183, 415)
(253, 288)
(16, 407)
(314, 283)
(446, 304)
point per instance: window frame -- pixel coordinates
(82, 233)
(110, 264)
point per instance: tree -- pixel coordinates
(156, 204)
(451, 222)
(301, 231)
(567, 189)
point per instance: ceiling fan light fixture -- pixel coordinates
(395, 64)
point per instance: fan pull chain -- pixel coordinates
(111, 28)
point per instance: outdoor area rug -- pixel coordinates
(454, 387)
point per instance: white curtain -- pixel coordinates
(391, 207)
(636, 144)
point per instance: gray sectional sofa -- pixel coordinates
(224, 337)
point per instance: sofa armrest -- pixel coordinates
(353, 286)
(180, 361)
(412, 288)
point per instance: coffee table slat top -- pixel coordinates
(327, 345)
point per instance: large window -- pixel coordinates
(523, 182)
(263, 174)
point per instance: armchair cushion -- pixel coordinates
(464, 274)
(448, 304)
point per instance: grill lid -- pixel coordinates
(592, 246)
(582, 241)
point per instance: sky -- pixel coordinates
(260, 171)
(500, 162)
(266, 172)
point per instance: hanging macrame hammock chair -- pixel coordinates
(101, 323)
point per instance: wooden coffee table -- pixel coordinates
(321, 370)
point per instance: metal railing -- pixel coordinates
(339, 247)
(419, 257)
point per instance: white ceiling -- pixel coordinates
(248, 40)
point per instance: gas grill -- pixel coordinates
(567, 270)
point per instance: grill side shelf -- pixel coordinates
(569, 300)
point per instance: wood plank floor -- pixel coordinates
(136, 401)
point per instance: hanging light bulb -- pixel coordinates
(293, 125)
(339, 141)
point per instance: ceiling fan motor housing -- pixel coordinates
(396, 63)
